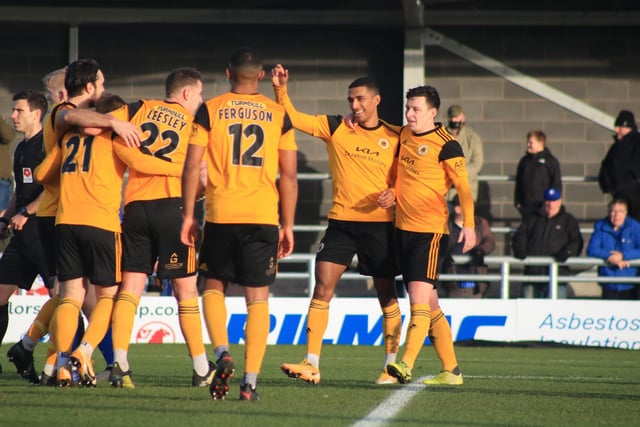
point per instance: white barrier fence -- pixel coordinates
(504, 277)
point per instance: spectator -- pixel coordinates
(537, 171)
(616, 239)
(472, 148)
(620, 170)
(485, 244)
(550, 232)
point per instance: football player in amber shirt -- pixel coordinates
(84, 82)
(247, 138)
(22, 352)
(430, 160)
(361, 161)
(152, 221)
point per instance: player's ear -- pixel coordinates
(261, 75)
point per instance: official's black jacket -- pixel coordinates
(28, 155)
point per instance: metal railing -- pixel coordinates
(488, 178)
(504, 276)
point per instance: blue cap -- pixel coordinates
(552, 194)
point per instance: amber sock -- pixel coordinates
(416, 332)
(66, 320)
(317, 321)
(124, 312)
(99, 323)
(256, 333)
(391, 329)
(215, 316)
(442, 340)
(40, 325)
(191, 326)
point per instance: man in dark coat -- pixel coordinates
(550, 232)
(620, 170)
(537, 171)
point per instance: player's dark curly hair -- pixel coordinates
(80, 73)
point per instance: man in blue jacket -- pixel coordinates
(616, 239)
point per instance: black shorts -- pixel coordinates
(150, 232)
(371, 241)
(421, 255)
(246, 254)
(47, 230)
(24, 258)
(90, 252)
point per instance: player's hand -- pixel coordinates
(189, 232)
(129, 132)
(386, 199)
(349, 119)
(279, 75)
(285, 242)
(18, 221)
(468, 236)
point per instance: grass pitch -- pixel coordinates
(504, 386)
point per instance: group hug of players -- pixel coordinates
(238, 151)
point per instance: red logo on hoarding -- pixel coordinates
(155, 333)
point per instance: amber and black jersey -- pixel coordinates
(360, 161)
(243, 135)
(167, 127)
(52, 134)
(428, 164)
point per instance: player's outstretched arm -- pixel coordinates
(85, 118)
(145, 163)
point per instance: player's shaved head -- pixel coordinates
(245, 64)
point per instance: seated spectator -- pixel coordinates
(550, 232)
(537, 171)
(616, 239)
(486, 243)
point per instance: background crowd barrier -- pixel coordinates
(504, 275)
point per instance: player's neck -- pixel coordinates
(425, 129)
(371, 122)
(250, 88)
(80, 101)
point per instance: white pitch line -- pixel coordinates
(393, 404)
